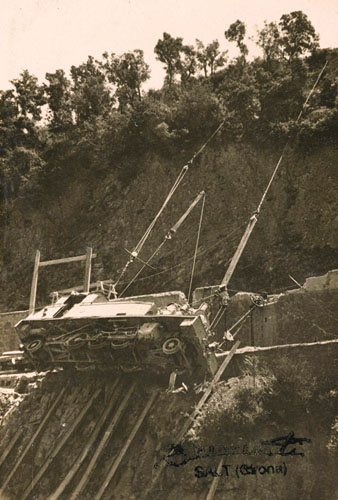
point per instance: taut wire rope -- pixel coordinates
(176, 184)
(196, 248)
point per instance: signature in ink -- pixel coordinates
(179, 455)
(177, 450)
(283, 443)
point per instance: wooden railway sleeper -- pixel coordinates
(54, 452)
(104, 440)
(117, 461)
(31, 441)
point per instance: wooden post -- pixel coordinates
(86, 449)
(32, 299)
(86, 283)
(195, 412)
(215, 481)
(207, 393)
(239, 250)
(106, 436)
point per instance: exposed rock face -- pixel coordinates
(306, 314)
(296, 233)
(9, 340)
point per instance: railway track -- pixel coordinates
(14, 366)
(10, 379)
(109, 428)
(93, 470)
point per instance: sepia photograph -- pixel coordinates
(168, 250)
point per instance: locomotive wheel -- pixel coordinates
(119, 344)
(34, 345)
(83, 367)
(257, 300)
(97, 343)
(172, 346)
(132, 334)
(75, 342)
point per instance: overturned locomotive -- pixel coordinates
(160, 333)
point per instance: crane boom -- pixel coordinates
(254, 218)
(237, 255)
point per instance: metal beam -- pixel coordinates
(86, 282)
(32, 298)
(65, 260)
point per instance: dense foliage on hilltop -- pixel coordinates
(99, 116)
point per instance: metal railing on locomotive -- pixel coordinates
(37, 264)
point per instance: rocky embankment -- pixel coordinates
(72, 429)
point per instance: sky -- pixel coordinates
(45, 35)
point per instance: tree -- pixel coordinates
(298, 35)
(127, 73)
(90, 94)
(241, 98)
(210, 57)
(186, 65)
(29, 96)
(8, 121)
(22, 165)
(269, 39)
(236, 33)
(197, 112)
(168, 51)
(59, 100)
(20, 110)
